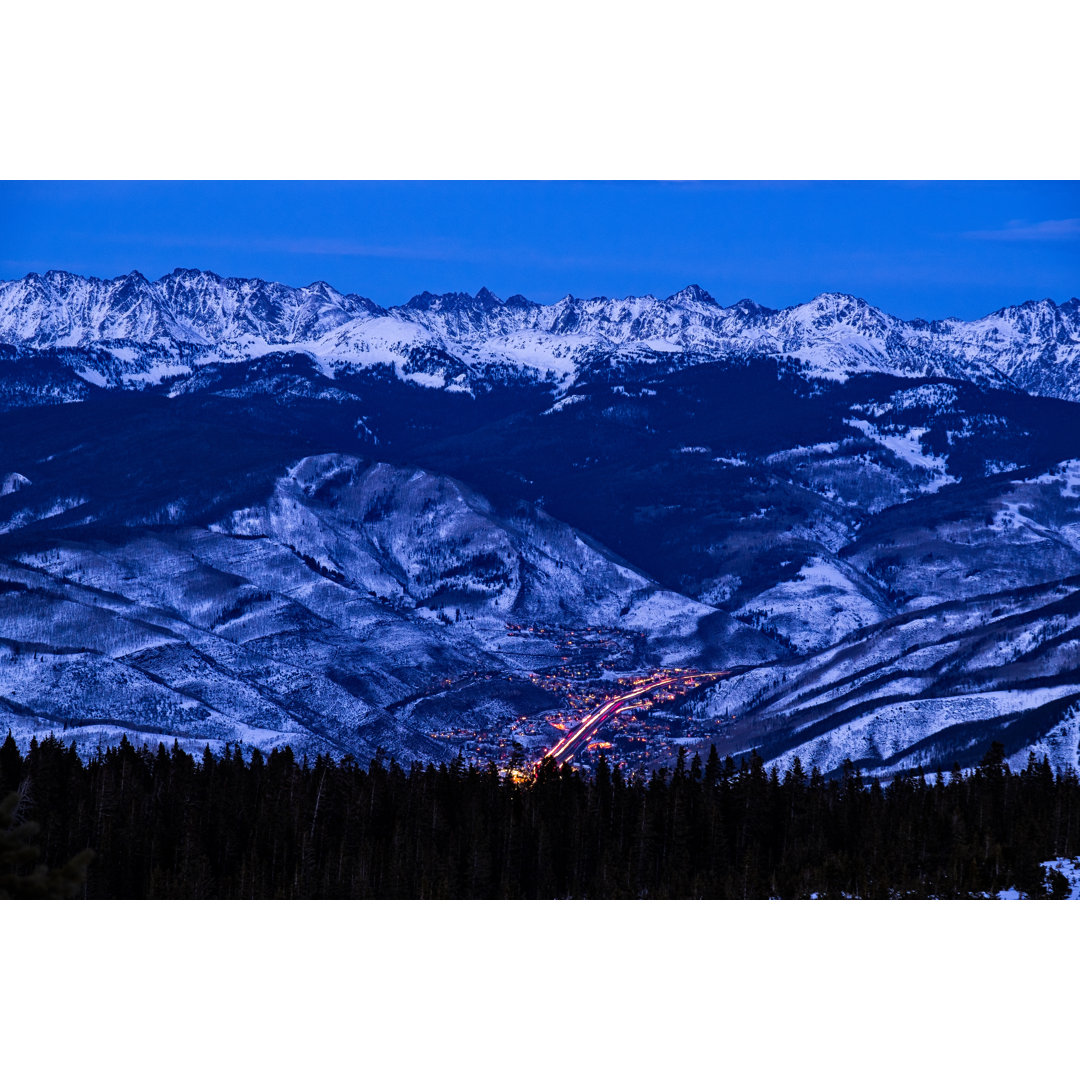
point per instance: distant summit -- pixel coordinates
(692, 294)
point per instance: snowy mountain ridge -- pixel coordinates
(137, 332)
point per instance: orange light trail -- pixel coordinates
(565, 747)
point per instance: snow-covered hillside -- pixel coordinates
(306, 619)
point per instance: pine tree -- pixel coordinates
(1058, 885)
(712, 768)
(10, 765)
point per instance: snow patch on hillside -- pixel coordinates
(907, 446)
(1065, 473)
(821, 605)
(94, 378)
(566, 402)
(1069, 867)
(13, 482)
(887, 731)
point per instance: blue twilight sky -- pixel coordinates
(914, 249)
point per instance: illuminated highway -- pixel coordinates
(575, 740)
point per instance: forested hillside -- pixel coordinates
(163, 825)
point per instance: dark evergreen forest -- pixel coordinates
(131, 824)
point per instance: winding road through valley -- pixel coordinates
(575, 740)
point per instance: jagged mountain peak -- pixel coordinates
(752, 308)
(838, 301)
(192, 273)
(1045, 306)
(692, 294)
(519, 301)
(429, 301)
(830, 309)
(486, 297)
(451, 304)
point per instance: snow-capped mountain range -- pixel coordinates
(131, 332)
(240, 511)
